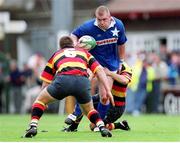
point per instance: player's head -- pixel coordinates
(65, 42)
(103, 17)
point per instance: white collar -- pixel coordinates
(113, 22)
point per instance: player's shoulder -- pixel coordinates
(118, 22)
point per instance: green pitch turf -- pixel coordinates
(143, 128)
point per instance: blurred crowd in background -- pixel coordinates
(19, 87)
(153, 71)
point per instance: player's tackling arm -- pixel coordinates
(101, 75)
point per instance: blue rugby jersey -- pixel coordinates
(106, 51)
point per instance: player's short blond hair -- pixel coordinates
(101, 10)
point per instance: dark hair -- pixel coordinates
(66, 41)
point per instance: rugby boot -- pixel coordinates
(122, 125)
(105, 132)
(126, 126)
(69, 129)
(72, 128)
(32, 131)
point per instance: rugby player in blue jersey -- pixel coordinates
(109, 33)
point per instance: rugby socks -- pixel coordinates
(77, 112)
(79, 118)
(102, 109)
(37, 110)
(75, 124)
(95, 118)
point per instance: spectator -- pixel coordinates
(144, 86)
(153, 99)
(1, 86)
(16, 80)
(173, 69)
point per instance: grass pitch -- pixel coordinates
(143, 128)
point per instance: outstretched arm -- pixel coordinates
(101, 75)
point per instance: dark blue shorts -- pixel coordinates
(71, 85)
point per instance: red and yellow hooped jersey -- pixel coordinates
(119, 89)
(69, 61)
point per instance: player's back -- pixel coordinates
(73, 61)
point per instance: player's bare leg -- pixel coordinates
(38, 108)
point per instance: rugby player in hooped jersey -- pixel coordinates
(66, 68)
(109, 33)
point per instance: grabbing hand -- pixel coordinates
(110, 96)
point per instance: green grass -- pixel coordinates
(143, 128)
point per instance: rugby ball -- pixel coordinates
(87, 42)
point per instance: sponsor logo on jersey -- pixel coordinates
(107, 41)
